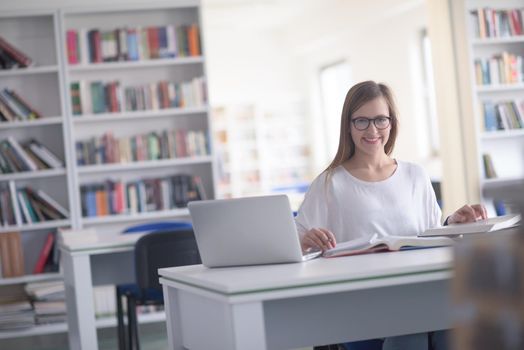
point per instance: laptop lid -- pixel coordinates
(245, 231)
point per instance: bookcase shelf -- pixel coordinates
(28, 71)
(500, 87)
(504, 40)
(136, 64)
(110, 168)
(173, 213)
(51, 276)
(31, 123)
(52, 224)
(496, 42)
(502, 134)
(141, 115)
(33, 174)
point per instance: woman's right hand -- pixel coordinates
(318, 238)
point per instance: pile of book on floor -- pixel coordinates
(48, 299)
(16, 314)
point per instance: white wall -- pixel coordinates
(381, 39)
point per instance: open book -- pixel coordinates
(482, 226)
(377, 243)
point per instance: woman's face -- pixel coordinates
(372, 140)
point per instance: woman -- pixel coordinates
(364, 190)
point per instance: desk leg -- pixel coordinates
(79, 301)
(173, 321)
(249, 330)
(209, 323)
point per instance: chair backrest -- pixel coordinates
(159, 226)
(163, 249)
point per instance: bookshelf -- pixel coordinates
(496, 52)
(43, 36)
(250, 162)
(35, 33)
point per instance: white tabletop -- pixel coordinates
(246, 279)
(92, 241)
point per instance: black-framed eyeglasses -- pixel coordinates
(362, 123)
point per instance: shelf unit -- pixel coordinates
(260, 165)
(47, 86)
(36, 34)
(505, 147)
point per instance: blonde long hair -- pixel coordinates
(356, 97)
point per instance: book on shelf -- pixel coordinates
(45, 253)
(29, 156)
(86, 46)
(96, 97)
(7, 212)
(14, 107)
(497, 23)
(503, 68)
(489, 168)
(145, 195)
(504, 115)
(482, 226)
(384, 243)
(12, 57)
(11, 254)
(38, 206)
(166, 144)
(16, 315)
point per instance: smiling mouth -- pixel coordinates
(371, 139)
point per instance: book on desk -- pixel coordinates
(482, 226)
(382, 243)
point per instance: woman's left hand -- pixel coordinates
(468, 213)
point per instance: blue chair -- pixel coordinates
(145, 291)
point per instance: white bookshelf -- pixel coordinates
(42, 36)
(506, 147)
(36, 33)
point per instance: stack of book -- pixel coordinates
(111, 97)
(38, 206)
(132, 44)
(15, 315)
(48, 299)
(146, 195)
(167, 144)
(11, 57)
(13, 107)
(504, 115)
(491, 23)
(28, 156)
(11, 254)
(504, 68)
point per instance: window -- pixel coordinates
(335, 81)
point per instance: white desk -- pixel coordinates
(92, 259)
(318, 302)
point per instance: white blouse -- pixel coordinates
(403, 204)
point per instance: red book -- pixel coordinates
(152, 36)
(72, 50)
(44, 253)
(15, 54)
(97, 41)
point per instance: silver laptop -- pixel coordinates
(246, 231)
